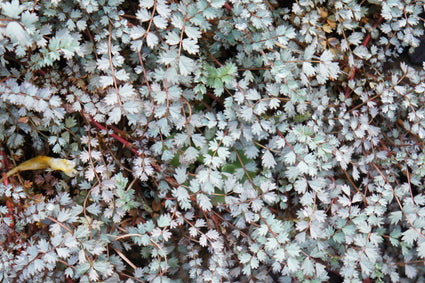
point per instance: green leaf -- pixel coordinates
(121, 181)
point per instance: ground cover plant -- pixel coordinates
(212, 141)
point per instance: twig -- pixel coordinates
(365, 42)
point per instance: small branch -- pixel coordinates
(365, 42)
(354, 185)
(126, 143)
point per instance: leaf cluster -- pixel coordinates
(213, 140)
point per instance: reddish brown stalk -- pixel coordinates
(365, 42)
(129, 145)
(115, 136)
(9, 203)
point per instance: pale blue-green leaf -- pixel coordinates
(111, 98)
(191, 154)
(395, 217)
(321, 270)
(217, 3)
(271, 244)
(138, 272)
(94, 209)
(290, 158)
(317, 184)
(174, 93)
(293, 264)
(257, 205)
(270, 197)
(200, 223)
(160, 22)
(163, 8)
(50, 257)
(356, 173)
(254, 263)
(55, 101)
(163, 220)
(199, 140)
(39, 265)
(411, 271)
(137, 32)
(308, 69)
(64, 215)
(362, 52)
(212, 234)
(12, 9)
(151, 39)
(251, 151)
(190, 45)
(203, 240)
(204, 202)
(355, 38)
(301, 186)
(177, 20)
(43, 246)
(246, 113)
(183, 197)
(114, 115)
(172, 38)
(52, 140)
(292, 249)
(57, 148)
(143, 15)
(326, 56)
(181, 139)
(106, 81)
(346, 189)
(333, 70)
(309, 52)
(411, 235)
(17, 34)
(308, 267)
(268, 160)
(192, 32)
(126, 90)
(211, 13)
(274, 103)
(147, 4)
(252, 94)
(81, 25)
(180, 175)
(122, 75)
(63, 252)
(372, 252)
(103, 267)
(186, 65)
(132, 107)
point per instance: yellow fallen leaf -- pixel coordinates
(44, 162)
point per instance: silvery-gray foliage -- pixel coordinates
(215, 141)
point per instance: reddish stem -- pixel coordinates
(9, 204)
(365, 42)
(115, 136)
(5, 164)
(129, 145)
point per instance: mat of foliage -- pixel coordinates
(213, 140)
